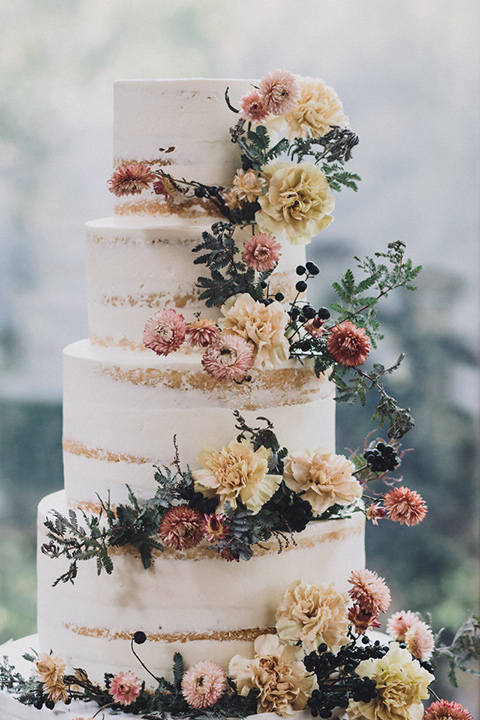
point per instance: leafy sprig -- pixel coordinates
(463, 652)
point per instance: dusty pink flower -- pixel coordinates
(375, 512)
(399, 623)
(165, 331)
(279, 92)
(348, 344)
(253, 108)
(214, 527)
(203, 684)
(315, 328)
(362, 619)
(369, 591)
(405, 506)
(181, 527)
(202, 333)
(163, 186)
(228, 359)
(130, 179)
(125, 688)
(261, 252)
(420, 641)
(446, 710)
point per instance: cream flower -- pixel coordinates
(263, 326)
(298, 201)
(313, 614)
(401, 684)
(278, 672)
(50, 668)
(236, 473)
(317, 110)
(323, 478)
(247, 185)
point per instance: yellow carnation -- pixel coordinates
(298, 201)
(236, 472)
(323, 478)
(277, 672)
(263, 326)
(316, 112)
(313, 614)
(401, 683)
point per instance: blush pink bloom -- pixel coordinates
(405, 506)
(130, 179)
(202, 333)
(315, 328)
(399, 623)
(204, 684)
(279, 92)
(214, 527)
(420, 641)
(181, 527)
(369, 591)
(253, 108)
(445, 710)
(228, 359)
(261, 252)
(348, 344)
(125, 688)
(375, 512)
(165, 332)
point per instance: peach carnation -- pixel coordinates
(277, 672)
(181, 527)
(262, 326)
(399, 623)
(252, 107)
(165, 332)
(348, 344)
(50, 668)
(318, 109)
(261, 252)
(279, 92)
(247, 185)
(204, 684)
(202, 333)
(420, 641)
(236, 473)
(447, 710)
(298, 201)
(405, 506)
(401, 684)
(125, 688)
(369, 591)
(313, 614)
(322, 478)
(130, 179)
(228, 359)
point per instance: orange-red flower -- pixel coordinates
(369, 591)
(348, 344)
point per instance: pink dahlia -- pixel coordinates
(202, 333)
(419, 640)
(253, 108)
(261, 252)
(362, 619)
(405, 506)
(348, 344)
(181, 527)
(203, 684)
(279, 92)
(399, 623)
(165, 331)
(125, 688)
(214, 527)
(229, 358)
(130, 179)
(369, 591)
(375, 512)
(445, 710)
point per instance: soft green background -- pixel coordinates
(407, 72)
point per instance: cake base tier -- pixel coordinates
(194, 603)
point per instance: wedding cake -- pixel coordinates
(206, 512)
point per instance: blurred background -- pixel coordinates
(407, 72)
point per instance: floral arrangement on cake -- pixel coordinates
(317, 657)
(282, 201)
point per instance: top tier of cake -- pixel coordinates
(182, 126)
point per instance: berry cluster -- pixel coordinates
(336, 678)
(382, 458)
